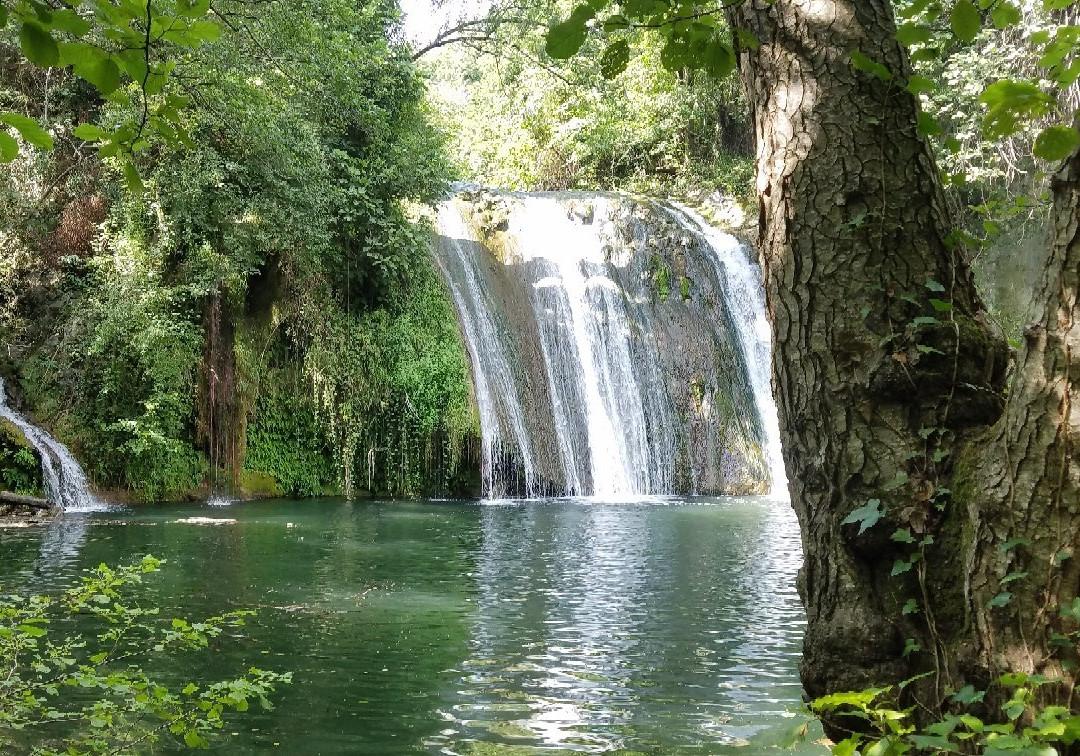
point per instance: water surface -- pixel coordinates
(664, 626)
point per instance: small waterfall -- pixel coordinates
(609, 357)
(65, 482)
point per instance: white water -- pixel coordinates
(585, 323)
(496, 388)
(614, 427)
(745, 297)
(65, 482)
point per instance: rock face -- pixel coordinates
(617, 346)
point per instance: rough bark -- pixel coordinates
(874, 382)
(1024, 483)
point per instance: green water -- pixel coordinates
(659, 627)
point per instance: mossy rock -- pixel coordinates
(10, 433)
(20, 466)
(258, 484)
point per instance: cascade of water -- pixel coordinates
(496, 389)
(745, 298)
(639, 389)
(586, 333)
(65, 482)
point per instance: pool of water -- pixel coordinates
(664, 626)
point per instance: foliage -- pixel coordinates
(1023, 725)
(94, 691)
(278, 204)
(127, 51)
(285, 439)
(121, 380)
(20, 470)
(388, 383)
(523, 121)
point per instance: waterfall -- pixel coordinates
(496, 388)
(745, 298)
(613, 352)
(65, 482)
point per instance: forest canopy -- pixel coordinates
(206, 232)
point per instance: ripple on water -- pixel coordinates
(666, 626)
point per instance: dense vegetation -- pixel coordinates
(262, 313)
(522, 120)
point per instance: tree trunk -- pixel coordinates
(885, 360)
(1024, 484)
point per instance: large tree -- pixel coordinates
(939, 507)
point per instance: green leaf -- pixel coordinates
(965, 20)
(192, 8)
(903, 535)
(133, 62)
(69, 21)
(1008, 101)
(866, 515)
(565, 39)
(855, 699)
(615, 58)
(910, 647)
(1005, 14)
(29, 129)
(38, 45)
(675, 54)
(719, 58)
(1072, 610)
(1001, 599)
(1013, 576)
(1056, 143)
(207, 31)
(900, 566)
(900, 479)
(927, 125)
(911, 606)
(104, 74)
(89, 132)
(616, 22)
(941, 305)
(861, 62)
(912, 33)
(933, 285)
(1012, 543)
(134, 183)
(917, 84)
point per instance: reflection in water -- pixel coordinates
(659, 626)
(603, 627)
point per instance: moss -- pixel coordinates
(957, 531)
(684, 288)
(661, 274)
(20, 468)
(258, 484)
